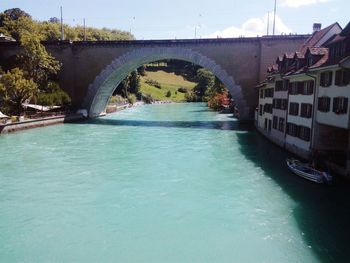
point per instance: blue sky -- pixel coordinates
(162, 19)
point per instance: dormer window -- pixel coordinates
(309, 61)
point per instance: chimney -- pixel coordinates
(316, 27)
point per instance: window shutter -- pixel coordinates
(322, 79)
(346, 77)
(346, 105)
(335, 104)
(330, 78)
(338, 77)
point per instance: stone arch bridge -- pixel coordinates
(92, 70)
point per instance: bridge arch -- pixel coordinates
(109, 78)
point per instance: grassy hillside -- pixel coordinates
(169, 82)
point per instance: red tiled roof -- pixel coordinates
(335, 39)
(316, 37)
(288, 55)
(322, 61)
(299, 55)
(317, 51)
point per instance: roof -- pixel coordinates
(299, 55)
(322, 61)
(335, 39)
(288, 55)
(346, 30)
(317, 51)
(316, 37)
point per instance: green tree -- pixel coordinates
(36, 62)
(205, 80)
(15, 89)
(168, 94)
(134, 82)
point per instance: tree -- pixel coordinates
(54, 20)
(168, 94)
(134, 82)
(205, 80)
(36, 62)
(15, 89)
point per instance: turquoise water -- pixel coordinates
(162, 183)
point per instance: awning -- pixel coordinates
(3, 116)
(40, 107)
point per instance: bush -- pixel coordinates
(131, 98)
(153, 83)
(182, 90)
(147, 98)
(168, 94)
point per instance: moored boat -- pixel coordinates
(307, 172)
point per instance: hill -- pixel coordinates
(168, 82)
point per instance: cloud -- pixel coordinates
(253, 27)
(299, 3)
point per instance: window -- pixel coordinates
(260, 110)
(326, 79)
(340, 105)
(342, 77)
(309, 61)
(269, 93)
(308, 87)
(279, 85)
(274, 122)
(293, 88)
(324, 104)
(261, 93)
(306, 110)
(269, 126)
(265, 124)
(285, 84)
(281, 124)
(292, 129)
(268, 108)
(300, 87)
(293, 108)
(304, 133)
(283, 104)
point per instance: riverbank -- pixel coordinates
(42, 122)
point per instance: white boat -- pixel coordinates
(307, 172)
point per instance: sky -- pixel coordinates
(184, 19)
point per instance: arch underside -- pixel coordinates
(107, 81)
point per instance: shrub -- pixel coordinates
(168, 94)
(182, 90)
(153, 83)
(131, 98)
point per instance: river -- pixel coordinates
(162, 183)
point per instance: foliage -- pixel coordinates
(168, 94)
(148, 99)
(219, 100)
(205, 80)
(36, 62)
(15, 90)
(182, 90)
(153, 83)
(131, 84)
(142, 70)
(14, 21)
(54, 95)
(131, 98)
(192, 97)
